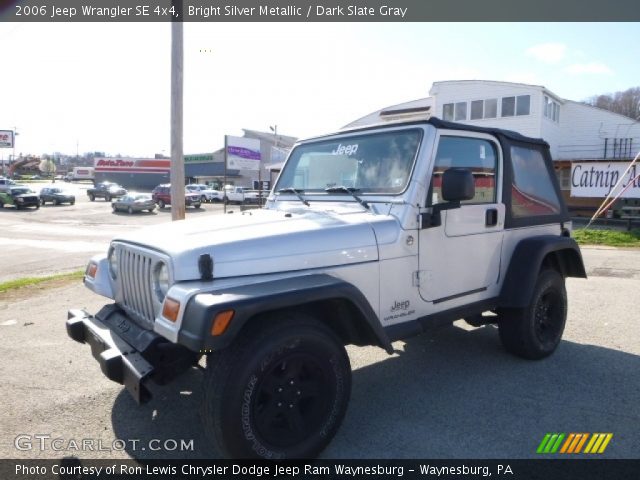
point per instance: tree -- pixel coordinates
(625, 103)
(48, 168)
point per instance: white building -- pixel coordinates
(575, 132)
(209, 167)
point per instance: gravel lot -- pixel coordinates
(453, 393)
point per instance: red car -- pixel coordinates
(162, 196)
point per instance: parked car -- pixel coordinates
(134, 202)
(240, 195)
(56, 196)
(6, 184)
(207, 194)
(19, 197)
(106, 190)
(162, 196)
(370, 236)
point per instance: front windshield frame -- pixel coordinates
(286, 180)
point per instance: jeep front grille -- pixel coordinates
(135, 279)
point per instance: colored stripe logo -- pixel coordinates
(574, 443)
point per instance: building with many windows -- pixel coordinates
(577, 133)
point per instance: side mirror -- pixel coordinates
(458, 185)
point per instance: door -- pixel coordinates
(459, 260)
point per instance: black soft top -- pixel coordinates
(436, 122)
(510, 134)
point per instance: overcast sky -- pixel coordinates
(106, 86)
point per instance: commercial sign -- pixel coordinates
(133, 165)
(6, 138)
(243, 153)
(199, 158)
(597, 179)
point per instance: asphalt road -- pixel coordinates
(58, 239)
(453, 393)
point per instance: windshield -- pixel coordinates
(377, 163)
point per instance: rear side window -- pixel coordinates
(532, 191)
(475, 154)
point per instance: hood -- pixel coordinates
(262, 241)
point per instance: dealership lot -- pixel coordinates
(56, 239)
(453, 393)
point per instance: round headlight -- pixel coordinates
(161, 280)
(113, 263)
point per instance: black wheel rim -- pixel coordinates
(548, 317)
(293, 400)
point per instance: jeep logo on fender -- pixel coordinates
(402, 305)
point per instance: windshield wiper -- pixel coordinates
(350, 191)
(296, 192)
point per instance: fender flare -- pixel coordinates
(247, 301)
(526, 262)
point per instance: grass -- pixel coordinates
(611, 238)
(30, 281)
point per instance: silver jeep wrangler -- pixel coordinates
(369, 236)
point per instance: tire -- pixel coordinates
(535, 331)
(198, 205)
(56, 202)
(161, 204)
(92, 197)
(73, 202)
(130, 210)
(280, 391)
(42, 202)
(203, 198)
(38, 206)
(114, 208)
(107, 198)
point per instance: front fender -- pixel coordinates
(247, 301)
(101, 283)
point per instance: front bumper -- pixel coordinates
(118, 359)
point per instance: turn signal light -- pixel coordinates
(170, 309)
(221, 322)
(92, 270)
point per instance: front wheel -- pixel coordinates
(160, 204)
(534, 332)
(107, 198)
(130, 211)
(280, 392)
(92, 197)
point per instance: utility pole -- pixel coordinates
(177, 158)
(15, 134)
(224, 182)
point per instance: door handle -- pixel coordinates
(491, 217)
